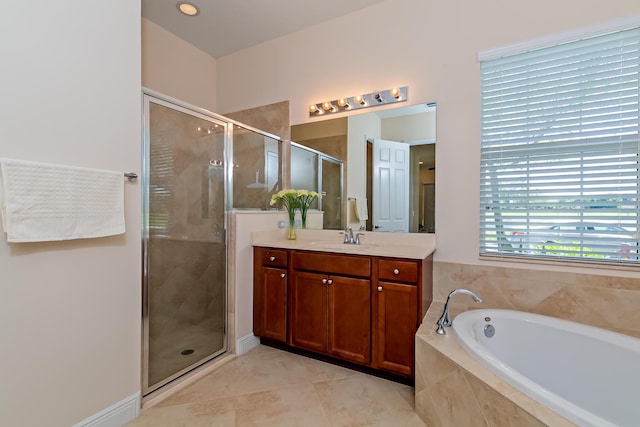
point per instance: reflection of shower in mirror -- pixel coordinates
(257, 184)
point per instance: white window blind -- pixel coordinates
(559, 151)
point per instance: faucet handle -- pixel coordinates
(346, 236)
(357, 238)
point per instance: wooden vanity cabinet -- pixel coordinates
(270, 293)
(330, 309)
(396, 314)
(356, 308)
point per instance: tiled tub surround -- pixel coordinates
(604, 301)
(452, 388)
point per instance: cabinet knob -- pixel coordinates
(379, 288)
(272, 258)
(396, 271)
(330, 281)
(282, 275)
(324, 281)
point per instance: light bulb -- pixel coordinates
(342, 102)
(395, 93)
(188, 9)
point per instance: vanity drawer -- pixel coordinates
(398, 270)
(348, 265)
(273, 257)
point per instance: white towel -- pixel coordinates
(360, 209)
(42, 202)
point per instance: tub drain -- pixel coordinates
(489, 331)
(187, 351)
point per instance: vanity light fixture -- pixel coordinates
(372, 99)
(187, 8)
(328, 107)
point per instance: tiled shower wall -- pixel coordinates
(604, 301)
(188, 289)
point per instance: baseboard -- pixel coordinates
(246, 343)
(115, 415)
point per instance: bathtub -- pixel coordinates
(588, 375)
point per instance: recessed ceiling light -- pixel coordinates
(187, 8)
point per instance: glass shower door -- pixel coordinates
(184, 241)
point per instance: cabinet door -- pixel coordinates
(308, 295)
(274, 303)
(350, 318)
(397, 324)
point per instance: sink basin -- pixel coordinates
(342, 247)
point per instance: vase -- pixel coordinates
(303, 217)
(291, 234)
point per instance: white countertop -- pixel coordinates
(395, 245)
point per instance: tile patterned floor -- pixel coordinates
(269, 387)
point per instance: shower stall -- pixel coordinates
(314, 170)
(188, 190)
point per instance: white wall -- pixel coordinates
(246, 222)
(176, 68)
(430, 46)
(414, 127)
(70, 311)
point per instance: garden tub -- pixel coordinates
(589, 375)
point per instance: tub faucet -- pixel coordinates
(444, 320)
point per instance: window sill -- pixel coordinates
(521, 259)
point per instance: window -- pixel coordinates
(559, 151)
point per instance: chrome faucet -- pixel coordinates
(349, 238)
(444, 320)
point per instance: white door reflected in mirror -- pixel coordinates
(390, 186)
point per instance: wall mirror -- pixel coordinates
(388, 160)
